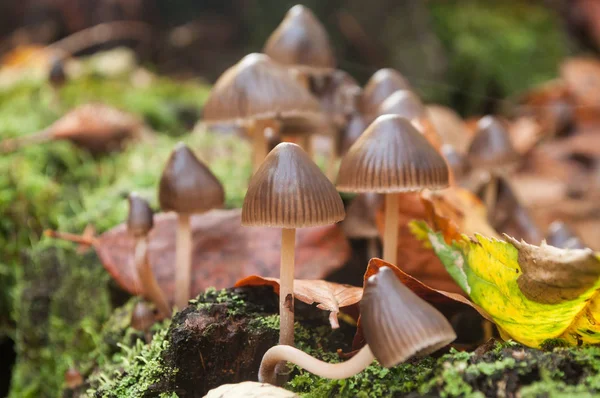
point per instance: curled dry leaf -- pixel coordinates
(95, 127)
(223, 251)
(329, 296)
(447, 303)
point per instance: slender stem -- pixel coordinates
(149, 284)
(259, 144)
(343, 370)
(286, 287)
(490, 195)
(183, 261)
(372, 249)
(332, 158)
(11, 145)
(390, 235)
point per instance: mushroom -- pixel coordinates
(259, 94)
(249, 389)
(142, 317)
(187, 187)
(449, 126)
(457, 162)
(397, 325)
(140, 221)
(289, 191)
(391, 157)
(407, 104)
(360, 221)
(491, 151)
(381, 85)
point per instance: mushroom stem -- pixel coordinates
(14, 144)
(490, 194)
(372, 250)
(343, 370)
(259, 144)
(286, 287)
(183, 261)
(390, 235)
(149, 284)
(332, 158)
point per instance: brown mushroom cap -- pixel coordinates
(397, 323)
(404, 103)
(142, 317)
(381, 85)
(456, 161)
(491, 147)
(258, 88)
(301, 40)
(140, 218)
(360, 216)
(392, 156)
(187, 185)
(290, 191)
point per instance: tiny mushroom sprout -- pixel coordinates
(289, 191)
(140, 221)
(492, 151)
(187, 187)
(302, 43)
(391, 157)
(381, 85)
(397, 325)
(259, 94)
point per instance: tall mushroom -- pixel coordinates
(259, 94)
(492, 151)
(289, 191)
(140, 221)
(397, 325)
(381, 85)
(391, 157)
(187, 186)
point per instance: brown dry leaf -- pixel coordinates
(582, 77)
(223, 251)
(330, 296)
(447, 303)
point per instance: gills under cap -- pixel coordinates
(398, 324)
(187, 185)
(290, 191)
(392, 156)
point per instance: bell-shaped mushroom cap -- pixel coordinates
(403, 103)
(456, 161)
(258, 88)
(354, 129)
(561, 236)
(381, 85)
(360, 217)
(449, 126)
(397, 323)
(142, 317)
(491, 147)
(290, 191)
(392, 156)
(140, 219)
(187, 185)
(301, 40)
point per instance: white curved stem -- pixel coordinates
(343, 370)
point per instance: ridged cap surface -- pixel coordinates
(381, 85)
(491, 146)
(301, 40)
(392, 156)
(257, 88)
(403, 103)
(290, 191)
(140, 218)
(398, 324)
(187, 185)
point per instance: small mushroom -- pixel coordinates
(391, 157)
(381, 85)
(249, 389)
(259, 94)
(360, 221)
(561, 236)
(142, 317)
(397, 325)
(289, 191)
(187, 186)
(492, 151)
(457, 162)
(139, 223)
(73, 378)
(450, 127)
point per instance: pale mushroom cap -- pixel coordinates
(392, 156)
(249, 389)
(290, 191)
(381, 85)
(301, 40)
(187, 185)
(491, 147)
(140, 218)
(403, 103)
(258, 88)
(398, 324)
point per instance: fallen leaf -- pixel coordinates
(533, 293)
(223, 251)
(329, 296)
(582, 78)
